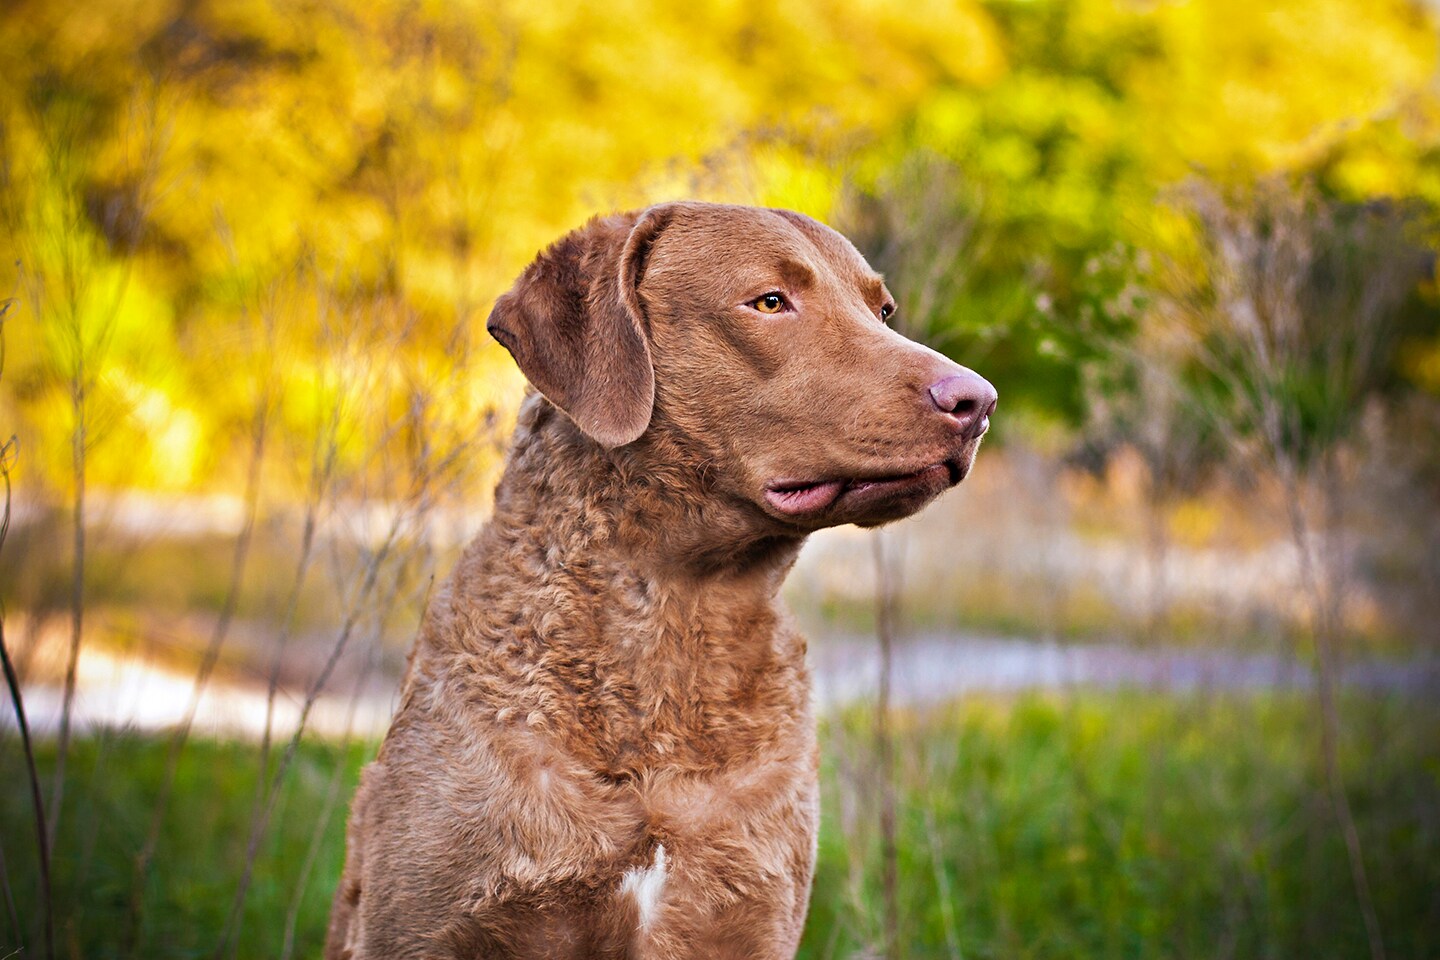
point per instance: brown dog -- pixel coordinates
(604, 745)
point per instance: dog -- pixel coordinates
(604, 745)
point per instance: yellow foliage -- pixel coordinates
(1271, 85)
(220, 202)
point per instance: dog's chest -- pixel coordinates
(578, 866)
(648, 758)
(688, 699)
(739, 842)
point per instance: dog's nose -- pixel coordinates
(968, 397)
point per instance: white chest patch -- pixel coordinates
(646, 887)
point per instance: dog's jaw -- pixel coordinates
(871, 498)
(860, 494)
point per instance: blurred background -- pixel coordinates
(1158, 681)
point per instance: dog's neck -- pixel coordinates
(588, 573)
(645, 508)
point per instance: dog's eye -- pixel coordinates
(770, 303)
(887, 311)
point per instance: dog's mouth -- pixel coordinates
(800, 498)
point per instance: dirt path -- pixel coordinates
(129, 691)
(931, 669)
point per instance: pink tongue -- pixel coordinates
(805, 499)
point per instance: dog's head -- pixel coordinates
(761, 338)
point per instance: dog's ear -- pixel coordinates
(574, 324)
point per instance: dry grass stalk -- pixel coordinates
(8, 453)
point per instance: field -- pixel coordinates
(1165, 669)
(1067, 825)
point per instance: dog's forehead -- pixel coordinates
(714, 237)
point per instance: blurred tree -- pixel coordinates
(287, 152)
(1294, 306)
(1139, 396)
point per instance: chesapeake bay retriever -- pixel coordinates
(604, 745)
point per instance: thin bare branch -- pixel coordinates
(359, 605)
(210, 658)
(886, 601)
(17, 701)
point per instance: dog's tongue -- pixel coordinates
(816, 496)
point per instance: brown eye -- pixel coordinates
(770, 303)
(887, 311)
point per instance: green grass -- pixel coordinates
(108, 807)
(1105, 826)
(1133, 826)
